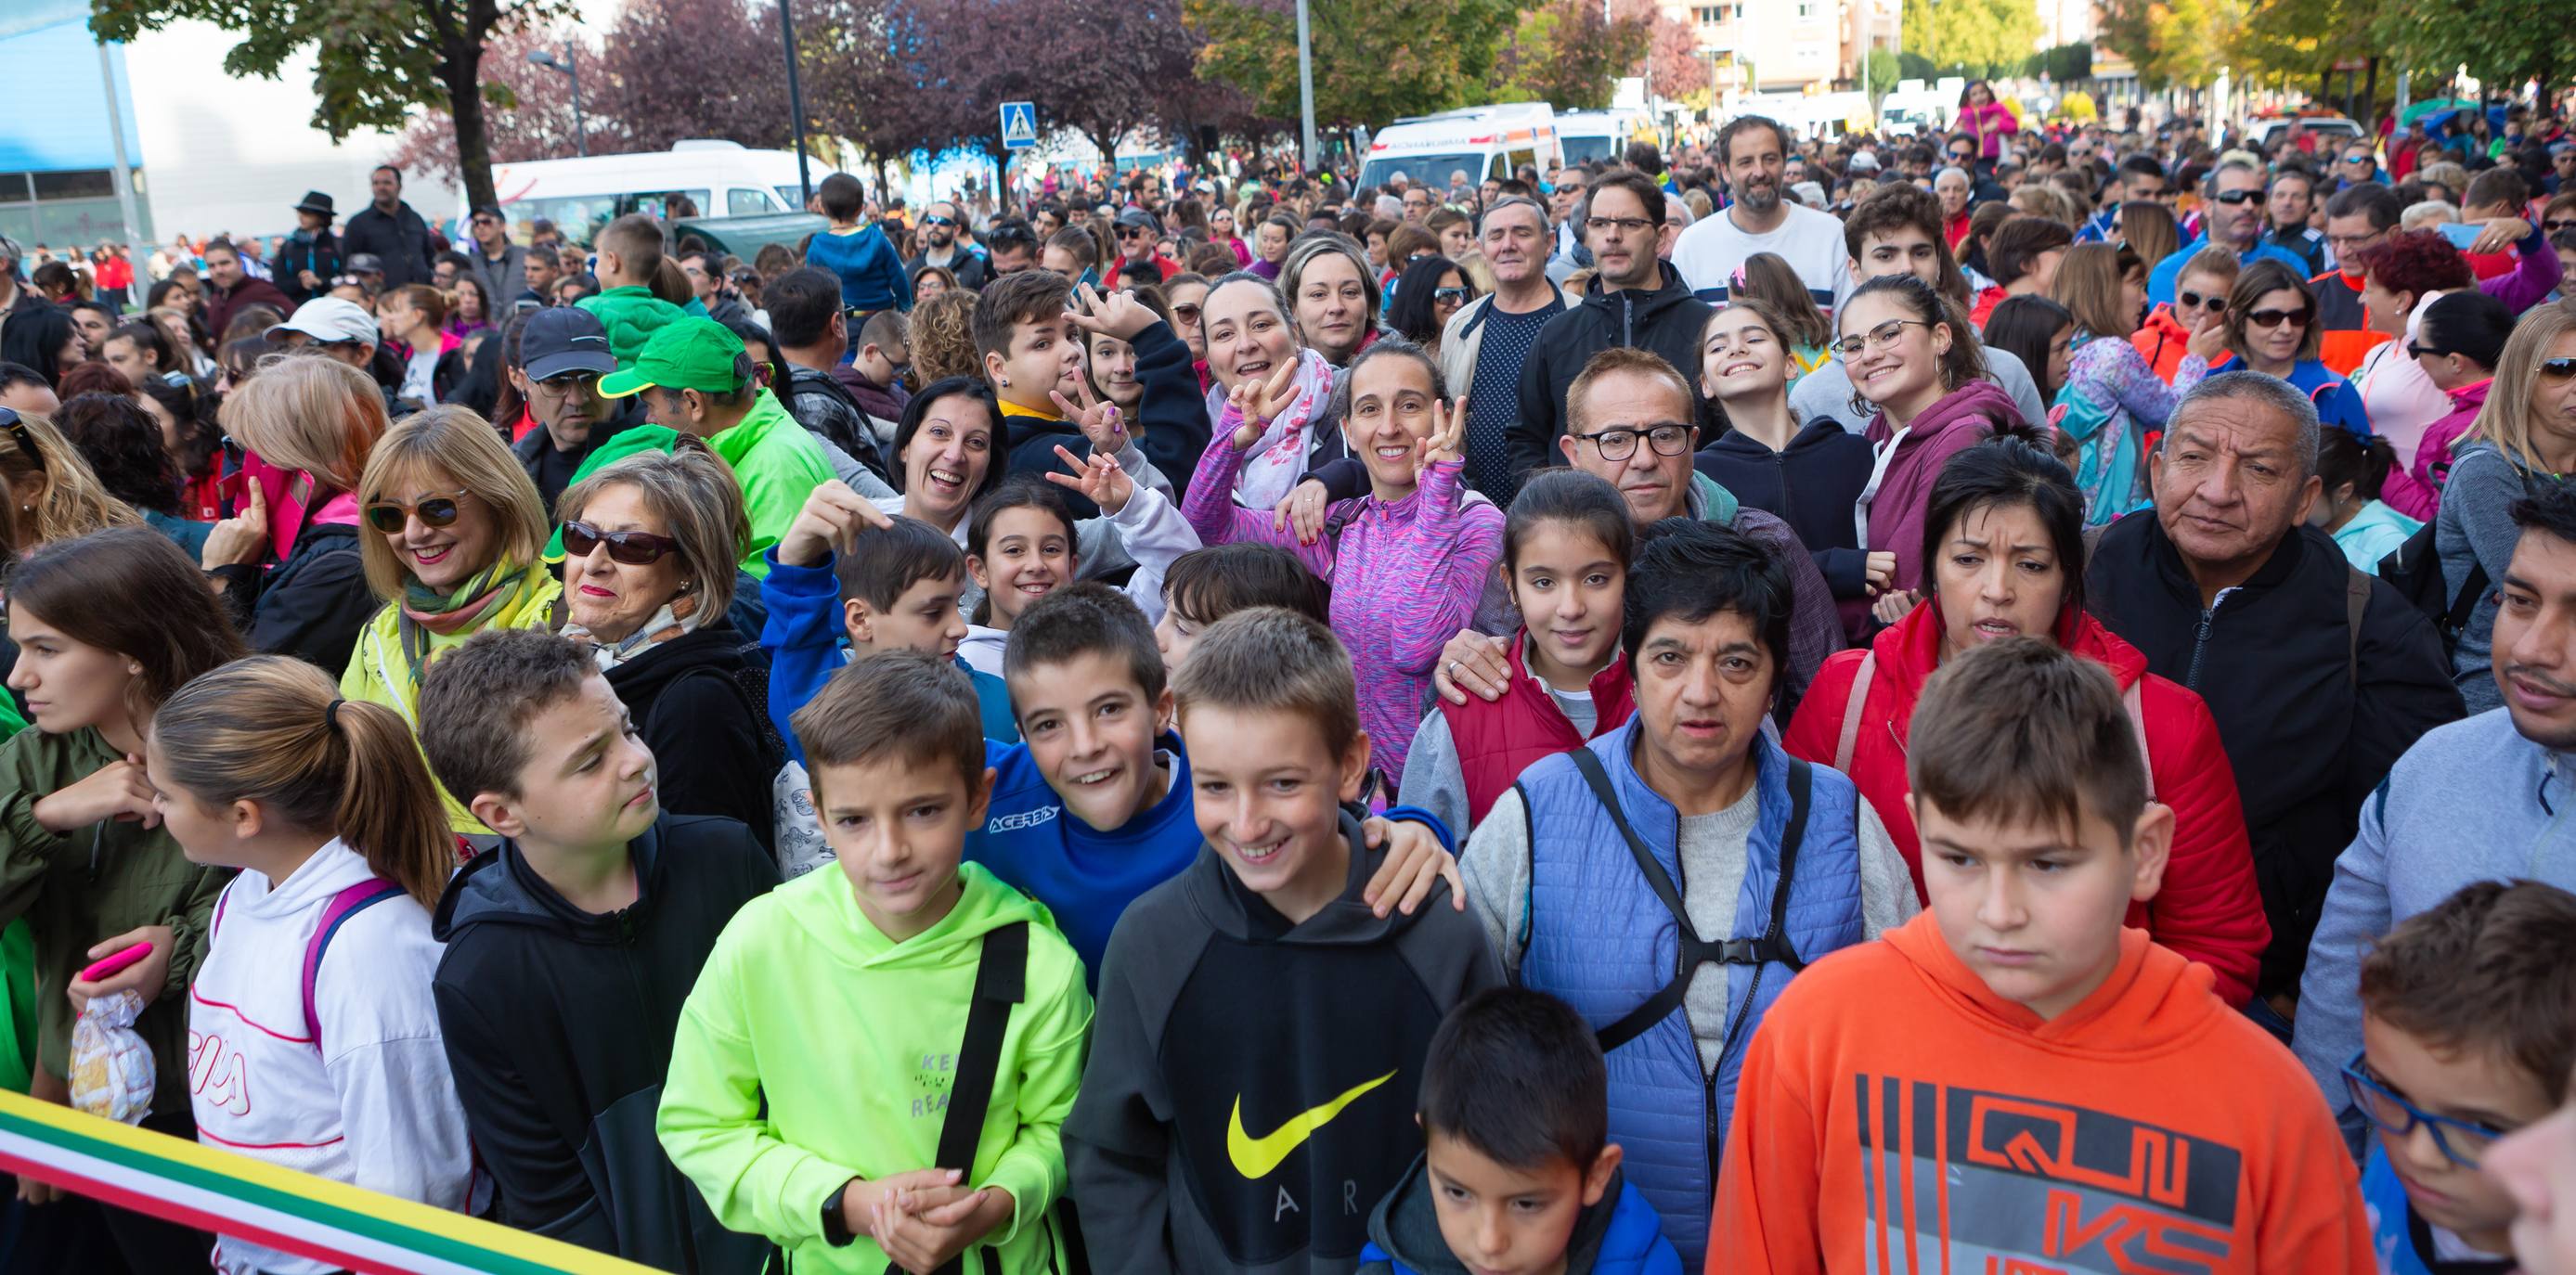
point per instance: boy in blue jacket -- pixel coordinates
(857, 253)
(1519, 1174)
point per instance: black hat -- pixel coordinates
(366, 263)
(316, 202)
(564, 339)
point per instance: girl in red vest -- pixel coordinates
(1566, 546)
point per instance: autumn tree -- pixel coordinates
(375, 60)
(2172, 42)
(1985, 37)
(1570, 53)
(1105, 70)
(693, 68)
(1396, 57)
(539, 121)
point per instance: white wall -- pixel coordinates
(235, 155)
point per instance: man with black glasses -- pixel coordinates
(940, 248)
(2233, 216)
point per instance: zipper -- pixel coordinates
(2200, 637)
(1627, 319)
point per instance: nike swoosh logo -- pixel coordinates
(1254, 1158)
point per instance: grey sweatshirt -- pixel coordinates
(2477, 776)
(2473, 528)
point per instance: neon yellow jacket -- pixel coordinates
(379, 674)
(851, 1040)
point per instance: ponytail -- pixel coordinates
(274, 730)
(2343, 457)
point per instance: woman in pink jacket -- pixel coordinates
(1984, 118)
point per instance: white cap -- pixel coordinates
(333, 320)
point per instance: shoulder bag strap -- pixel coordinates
(1774, 944)
(2356, 601)
(349, 902)
(1851, 711)
(1686, 954)
(1001, 981)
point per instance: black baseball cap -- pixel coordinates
(564, 339)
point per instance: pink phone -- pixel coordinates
(115, 961)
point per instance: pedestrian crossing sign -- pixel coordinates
(1019, 125)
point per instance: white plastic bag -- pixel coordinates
(112, 1073)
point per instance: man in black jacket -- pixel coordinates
(812, 331)
(2319, 676)
(1635, 301)
(940, 248)
(571, 946)
(389, 229)
(562, 354)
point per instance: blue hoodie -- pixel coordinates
(1620, 1235)
(1084, 875)
(803, 638)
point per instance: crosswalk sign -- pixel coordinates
(1019, 125)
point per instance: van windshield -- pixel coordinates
(1584, 150)
(1422, 170)
(581, 217)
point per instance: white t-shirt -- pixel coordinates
(372, 1103)
(1811, 242)
(420, 373)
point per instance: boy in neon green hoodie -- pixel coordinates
(842, 1016)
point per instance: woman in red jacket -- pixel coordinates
(2004, 548)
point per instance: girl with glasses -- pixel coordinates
(451, 547)
(1918, 371)
(2525, 436)
(2111, 399)
(650, 544)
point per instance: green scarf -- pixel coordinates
(426, 611)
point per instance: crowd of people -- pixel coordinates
(1997, 700)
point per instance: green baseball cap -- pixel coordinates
(684, 354)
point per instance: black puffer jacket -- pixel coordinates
(310, 606)
(692, 702)
(1666, 320)
(2311, 713)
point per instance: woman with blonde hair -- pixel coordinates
(454, 535)
(285, 564)
(53, 494)
(2525, 437)
(2112, 398)
(650, 544)
(319, 957)
(942, 330)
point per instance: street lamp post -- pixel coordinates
(1306, 85)
(580, 129)
(796, 106)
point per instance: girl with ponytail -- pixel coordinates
(314, 992)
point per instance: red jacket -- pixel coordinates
(1497, 741)
(2164, 340)
(2208, 909)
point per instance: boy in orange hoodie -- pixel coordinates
(2012, 1082)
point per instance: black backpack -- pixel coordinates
(2415, 571)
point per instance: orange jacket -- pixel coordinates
(2164, 340)
(1895, 1114)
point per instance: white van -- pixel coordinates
(1600, 135)
(715, 178)
(1481, 141)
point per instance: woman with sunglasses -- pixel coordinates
(2525, 437)
(1916, 367)
(2272, 328)
(2457, 342)
(650, 544)
(454, 533)
(1431, 290)
(2199, 306)
(2111, 399)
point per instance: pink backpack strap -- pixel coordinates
(347, 903)
(1851, 712)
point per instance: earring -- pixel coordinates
(687, 585)
(1006, 382)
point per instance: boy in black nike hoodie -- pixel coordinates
(572, 945)
(1260, 1032)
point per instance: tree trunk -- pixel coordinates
(460, 68)
(1107, 140)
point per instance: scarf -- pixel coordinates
(666, 625)
(426, 611)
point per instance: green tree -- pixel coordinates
(2172, 42)
(1569, 53)
(2502, 42)
(376, 59)
(1886, 67)
(1398, 57)
(2297, 41)
(1975, 37)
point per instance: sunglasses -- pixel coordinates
(2234, 197)
(1449, 296)
(16, 427)
(2558, 369)
(2193, 301)
(2560, 224)
(2275, 318)
(388, 516)
(634, 548)
(939, 221)
(2415, 351)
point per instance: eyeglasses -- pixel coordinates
(2234, 197)
(1624, 225)
(2558, 369)
(1620, 444)
(634, 548)
(1877, 338)
(388, 516)
(2188, 300)
(2460, 1141)
(16, 427)
(2345, 245)
(487, 221)
(1449, 296)
(570, 383)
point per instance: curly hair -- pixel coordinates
(122, 444)
(2417, 262)
(943, 337)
